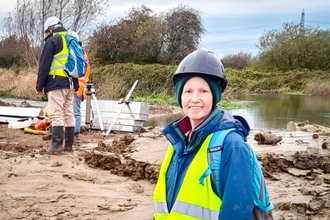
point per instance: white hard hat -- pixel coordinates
(73, 34)
(51, 21)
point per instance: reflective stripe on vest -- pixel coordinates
(206, 205)
(60, 59)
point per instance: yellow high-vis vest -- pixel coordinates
(194, 201)
(60, 59)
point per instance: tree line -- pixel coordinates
(24, 33)
(140, 37)
(144, 37)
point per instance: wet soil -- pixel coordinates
(114, 177)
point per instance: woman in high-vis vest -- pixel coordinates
(53, 80)
(185, 189)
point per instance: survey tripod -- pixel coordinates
(90, 94)
(123, 102)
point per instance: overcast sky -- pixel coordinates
(232, 26)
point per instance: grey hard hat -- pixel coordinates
(202, 62)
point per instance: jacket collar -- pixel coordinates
(218, 120)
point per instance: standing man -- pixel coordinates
(79, 96)
(55, 82)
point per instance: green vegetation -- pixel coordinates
(155, 82)
(156, 99)
(145, 38)
(155, 85)
(229, 105)
(294, 60)
(306, 82)
(171, 100)
(6, 92)
(294, 48)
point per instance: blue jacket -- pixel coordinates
(46, 82)
(236, 168)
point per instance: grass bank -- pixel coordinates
(155, 82)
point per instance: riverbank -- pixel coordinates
(114, 177)
(113, 82)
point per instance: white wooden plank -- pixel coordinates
(4, 119)
(109, 110)
(19, 112)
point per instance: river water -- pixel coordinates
(274, 111)
(262, 111)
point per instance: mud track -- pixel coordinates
(114, 177)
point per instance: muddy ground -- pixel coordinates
(114, 177)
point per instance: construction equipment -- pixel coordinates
(90, 94)
(125, 102)
(42, 124)
(31, 130)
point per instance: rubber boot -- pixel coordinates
(57, 139)
(76, 139)
(47, 137)
(69, 135)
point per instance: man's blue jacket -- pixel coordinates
(46, 82)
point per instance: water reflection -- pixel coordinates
(163, 120)
(274, 111)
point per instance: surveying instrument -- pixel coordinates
(90, 94)
(124, 102)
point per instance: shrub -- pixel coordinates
(236, 61)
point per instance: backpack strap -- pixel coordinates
(214, 158)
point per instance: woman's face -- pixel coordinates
(196, 100)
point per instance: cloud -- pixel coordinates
(231, 25)
(224, 8)
(252, 7)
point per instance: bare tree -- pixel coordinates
(22, 25)
(182, 34)
(237, 61)
(145, 34)
(135, 38)
(144, 37)
(26, 21)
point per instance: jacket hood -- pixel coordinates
(56, 30)
(230, 121)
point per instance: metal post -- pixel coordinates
(97, 109)
(90, 94)
(88, 105)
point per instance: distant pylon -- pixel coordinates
(302, 19)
